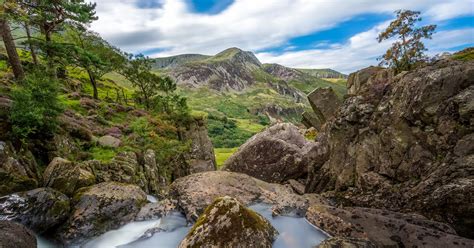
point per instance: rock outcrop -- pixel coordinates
(100, 208)
(384, 228)
(66, 176)
(195, 192)
(227, 223)
(18, 170)
(403, 143)
(16, 235)
(39, 209)
(201, 157)
(325, 103)
(274, 155)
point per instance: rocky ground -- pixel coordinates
(391, 166)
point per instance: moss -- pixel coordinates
(240, 222)
(59, 208)
(103, 154)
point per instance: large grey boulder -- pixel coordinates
(274, 155)
(39, 209)
(385, 228)
(16, 235)
(324, 102)
(195, 192)
(100, 208)
(227, 223)
(109, 141)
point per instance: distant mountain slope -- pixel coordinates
(239, 93)
(323, 73)
(174, 61)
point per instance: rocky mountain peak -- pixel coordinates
(235, 54)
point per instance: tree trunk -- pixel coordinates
(13, 57)
(32, 50)
(49, 53)
(94, 84)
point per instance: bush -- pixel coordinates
(35, 107)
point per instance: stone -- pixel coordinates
(324, 103)
(357, 81)
(18, 170)
(109, 141)
(16, 235)
(274, 155)
(100, 208)
(201, 157)
(402, 142)
(384, 228)
(40, 209)
(156, 210)
(66, 176)
(195, 192)
(227, 223)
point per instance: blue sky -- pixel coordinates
(338, 34)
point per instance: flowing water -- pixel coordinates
(168, 232)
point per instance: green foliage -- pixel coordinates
(465, 55)
(103, 154)
(224, 132)
(222, 154)
(35, 107)
(408, 51)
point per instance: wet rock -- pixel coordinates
(201, 157)
(274, 155)
(338, 242)
(66, 176)
(385, 228)
(39, 209)
(16, 235)
(195, 192)
(100, 208)
(109, 141)
(156, 210)
(227, 223)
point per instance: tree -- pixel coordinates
(10, 46)
(94, 54)
(138, 72)
(51, 16)
(408, 50)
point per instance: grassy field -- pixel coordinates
(222, 154)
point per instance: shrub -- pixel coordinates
(35, 107)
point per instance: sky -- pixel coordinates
(337, 34)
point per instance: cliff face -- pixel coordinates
(403, 143)
(201, 156)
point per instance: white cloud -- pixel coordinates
(362, 51)
(252, 25)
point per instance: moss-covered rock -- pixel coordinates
(99, 208)
(39, 209)
(66, 176)
(227, 223)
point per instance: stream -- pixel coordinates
(171, 229)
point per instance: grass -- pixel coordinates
(222, 154)
(103, 154)
(249, 125)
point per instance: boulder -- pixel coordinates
(155, 180)
(66, 176)
(324, 103)
(274, 155)
(358, 81)
(156, 210)
(18, 170)
(310, 119)
(339, 242)
(401, 143)
(201, 156)
(227, 223)
(195, 192)
(385, 228)
(16, 235)
(100, 208)
(39, 209)
(109, 141)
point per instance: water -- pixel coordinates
(151, 198)
(168, 232)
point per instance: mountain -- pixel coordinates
(239, 93)
(324, 73)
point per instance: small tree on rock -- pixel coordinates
(408, 51)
